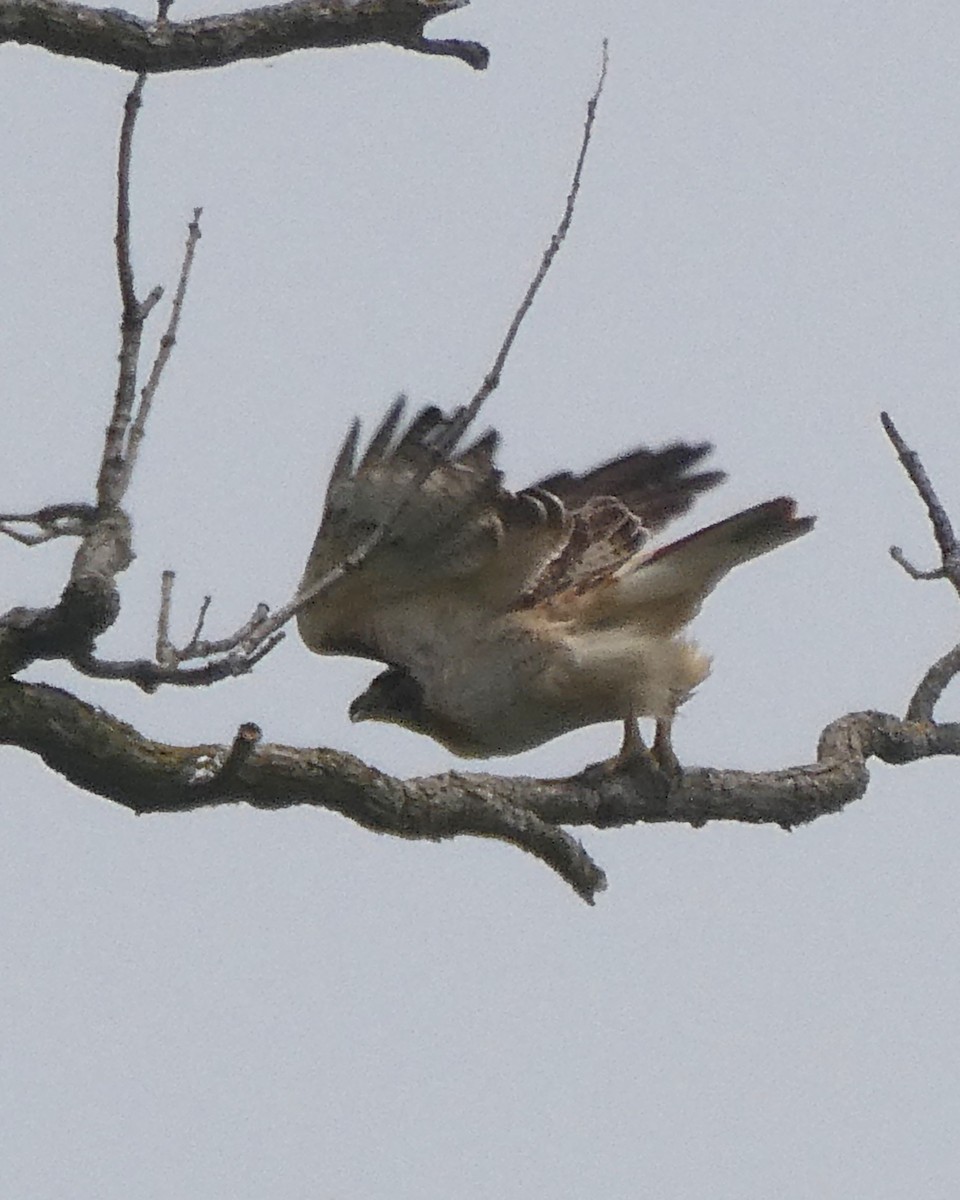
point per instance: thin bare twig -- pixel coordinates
(898, 556)
(942, 527)
(167, 342)
(112, 481)
(190, 647)
(29, 539)
(52, 521)
(128, 295)
(935, 680)
(149, 675)
(164, 645)
(492, 379)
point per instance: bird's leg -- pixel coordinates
(633, 745)
(663, 754)
(633, 749)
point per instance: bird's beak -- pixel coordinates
(358, 711)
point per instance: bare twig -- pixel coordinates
(128, 296)
(164, 645)
(492, 379)
(246, 638)
(944, 670)
(52, 521)
(149, 675)
(112, 479)
(167, 342)
(898, 556)
(193, 647)
(28, 539)
(90, 602)
(942, 527)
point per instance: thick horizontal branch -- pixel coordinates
(120, 39)
(109, 758)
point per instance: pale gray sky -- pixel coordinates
(231, 1005)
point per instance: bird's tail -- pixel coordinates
(662, 590)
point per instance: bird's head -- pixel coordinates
(393, 696)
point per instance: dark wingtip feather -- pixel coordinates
(654, 484)
(346, 456)
(480, 453)
(422, 426)
(383, 434)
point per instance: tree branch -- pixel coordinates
(120, 39)
(109, 758)
(103, 755)
(90, 602)
(942, 527)
(945, 669)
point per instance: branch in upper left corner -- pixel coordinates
(120, 39)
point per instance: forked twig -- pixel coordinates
(935, 680)
(51, 521)
(167, 342)
(943, 530)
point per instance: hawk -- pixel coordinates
(506, 619)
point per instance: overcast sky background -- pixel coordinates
(235, 1004)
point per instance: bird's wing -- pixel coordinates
(614, 508)
(454, 538)
(660, 591)
(654, 485)
(443, 545)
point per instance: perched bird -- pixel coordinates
(508, 618)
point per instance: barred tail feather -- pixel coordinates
(663, 590)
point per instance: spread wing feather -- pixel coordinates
(454, 540)
(654, 485)
(450, 528)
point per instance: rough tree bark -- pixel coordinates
(120, 39)
(107, 757)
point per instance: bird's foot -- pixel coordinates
(663, 753)
(635, 755)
